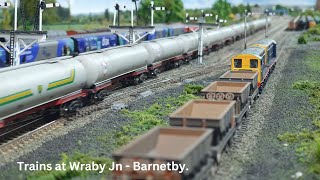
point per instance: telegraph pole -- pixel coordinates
(132, 30)
(17, 38)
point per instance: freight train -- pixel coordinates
(72, 43)
(64, 85)
(302, 23)
(201, 129)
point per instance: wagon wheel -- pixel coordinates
(177, 64)
(220, 96)
(210, 96)
(156, 72)
(188, 59)
(229, 96)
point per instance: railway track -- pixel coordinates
(218, 66)
(237, 140)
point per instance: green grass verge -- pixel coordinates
(313, 34)
(308, 141)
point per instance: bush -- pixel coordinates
(193, 88)
(302, 40)
(314, 31)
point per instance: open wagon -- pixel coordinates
(217, 115)
(187, 146)
(230, 91)
(244, 76)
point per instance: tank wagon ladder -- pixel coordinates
(12, 46)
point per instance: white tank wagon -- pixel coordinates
(162, 49)
(257, 25)
(189, 42)
(113, 63)
(25, 88)
(239, 28)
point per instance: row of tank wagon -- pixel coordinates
(66, 84)
(59, 44)
(200, 129)
(303, 22)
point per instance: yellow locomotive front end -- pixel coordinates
(248, 62)
(261, 58)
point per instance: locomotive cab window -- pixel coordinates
(253, 63)
(238, 63)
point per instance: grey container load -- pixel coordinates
(47, 50)
(204, 113)
(113, 62)
(187, 146)
(162, 49)
(242, 76)
(38, 84)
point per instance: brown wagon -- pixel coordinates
(244, 76)
(218, 115)
(231, 91)
(189, 146)
(293, 24)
